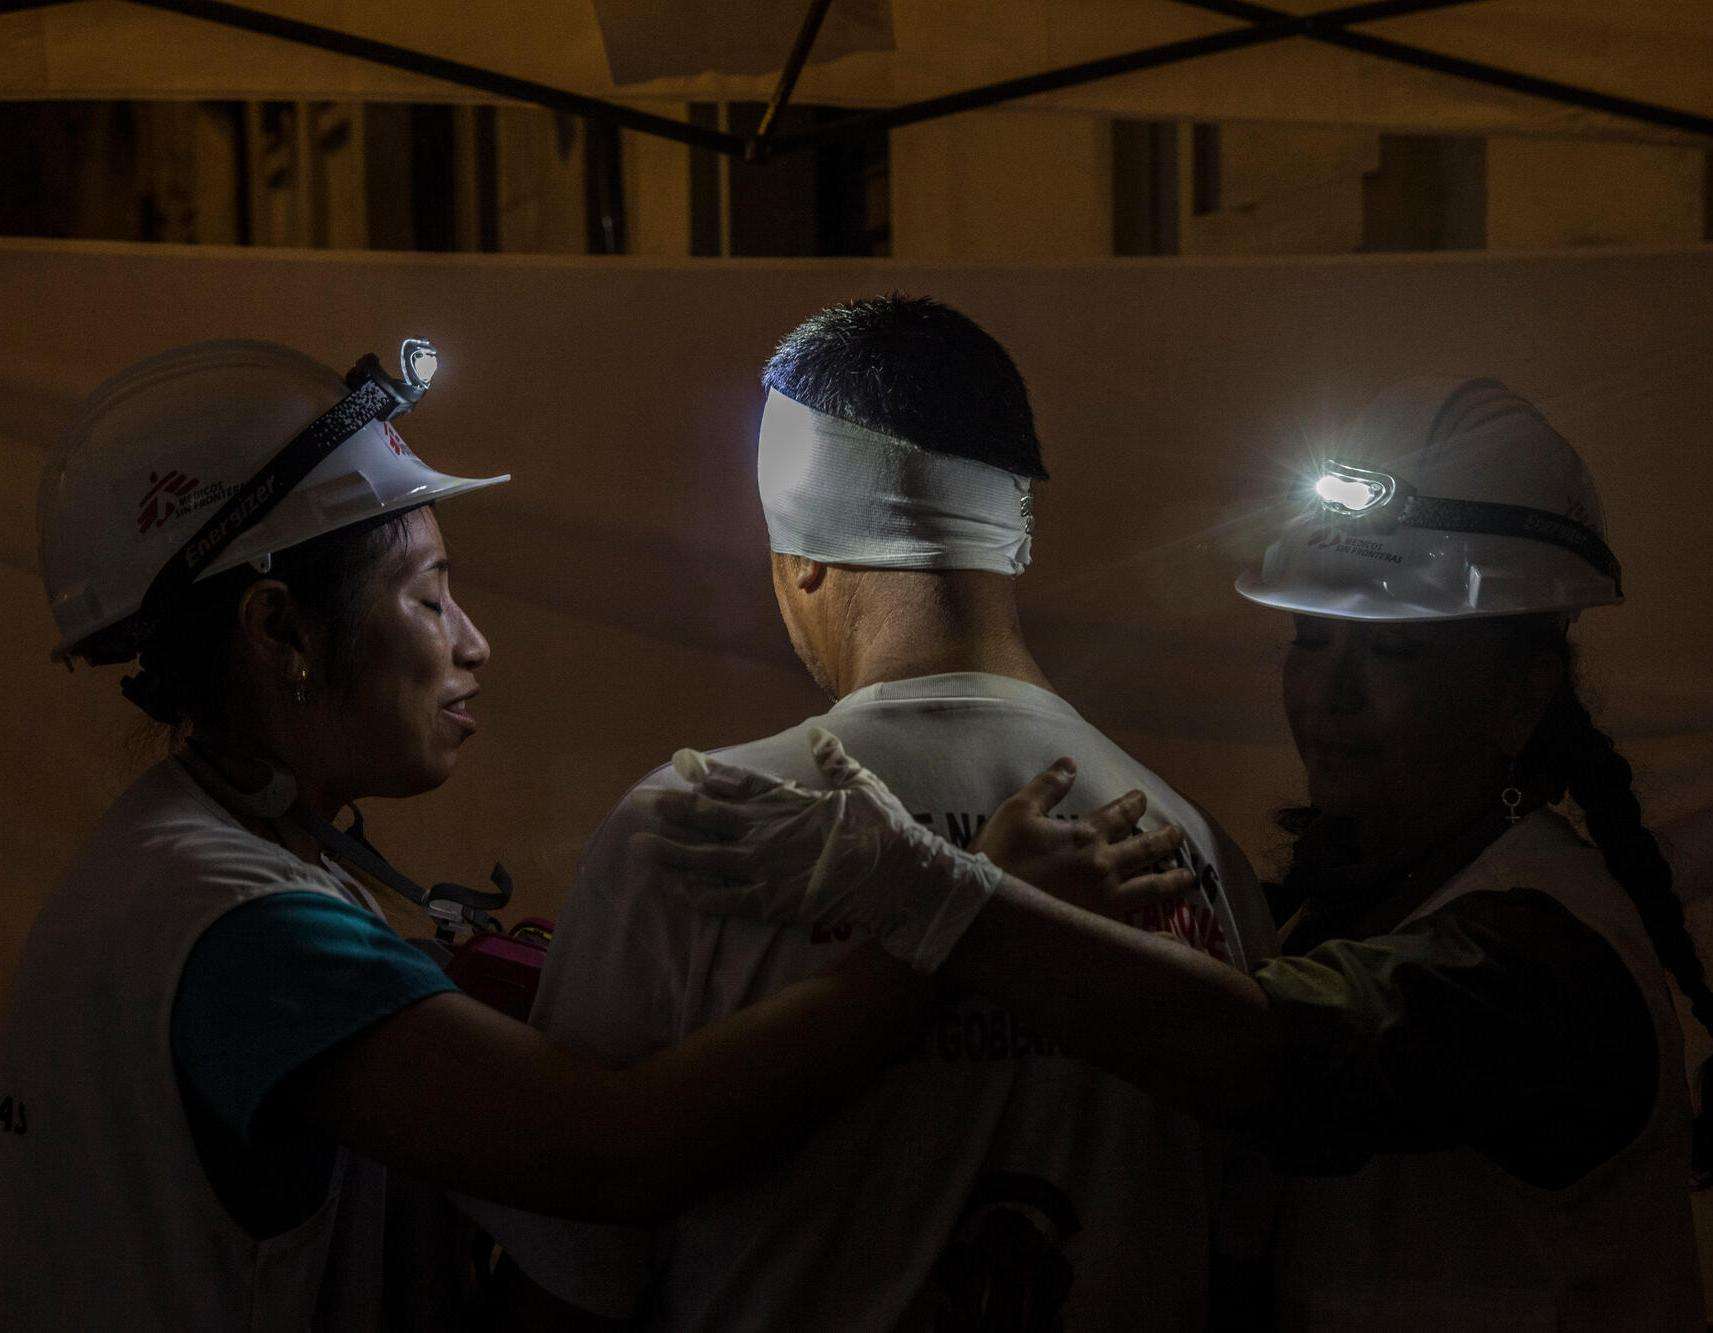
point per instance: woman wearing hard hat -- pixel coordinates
(1467, 1065)
(211, 1020)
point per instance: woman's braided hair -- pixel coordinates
(1569, 754)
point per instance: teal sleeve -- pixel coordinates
(278, 981)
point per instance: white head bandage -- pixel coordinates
(846, 495)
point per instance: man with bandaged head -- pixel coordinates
(987, 1178)
(1468, 1062)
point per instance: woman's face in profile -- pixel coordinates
(407, 709)
(1395, 721)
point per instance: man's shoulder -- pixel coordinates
(784, 754)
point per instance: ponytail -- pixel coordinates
(1569, 754)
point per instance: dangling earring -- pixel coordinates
(1511, 795)
(301, 694)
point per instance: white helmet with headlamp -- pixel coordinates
(208, 456)
(1446, 500)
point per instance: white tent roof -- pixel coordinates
(872, 53)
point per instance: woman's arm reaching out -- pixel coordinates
(1147, 1007)
(458, 1094)
(1150, 1009)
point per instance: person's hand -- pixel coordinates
(743, 843)
(1100, 861)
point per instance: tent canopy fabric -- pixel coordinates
(871, 53)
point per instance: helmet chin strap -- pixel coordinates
(276, 802)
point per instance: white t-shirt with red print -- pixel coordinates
(985, 1169)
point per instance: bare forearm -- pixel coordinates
(742, 1083)
(460, 1095)
(1173, 1021)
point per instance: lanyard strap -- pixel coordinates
(350, 846)
(276, 803)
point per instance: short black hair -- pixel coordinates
(914, 368)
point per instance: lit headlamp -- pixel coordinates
(1383, 502)
(1351, 490)
(417, 363)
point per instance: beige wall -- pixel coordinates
(1284, 190)
(541, 201)
(1002, 186)
(1010, 185)
(657, 193)
(1549, 193)
(1299, 190)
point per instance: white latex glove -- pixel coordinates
(752, 845)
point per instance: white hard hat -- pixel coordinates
(1445, 500)
(159, 448)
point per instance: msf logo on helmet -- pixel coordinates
(395, 441)
(1334, 542)
(164, 497)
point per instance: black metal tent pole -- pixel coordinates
(1332, 27)
(788, 76)
(451, 71)
(1649, 113)
(1266, 25)
(1069, 76)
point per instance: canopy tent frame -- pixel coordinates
(1265, 25)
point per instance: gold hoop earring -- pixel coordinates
(301, 694)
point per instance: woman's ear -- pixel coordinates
(270, 630)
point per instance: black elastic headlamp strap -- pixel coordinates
(374, 396)
(1501, 520)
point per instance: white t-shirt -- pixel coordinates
(984, 1164)
(107, 1219)
(1449, 1240)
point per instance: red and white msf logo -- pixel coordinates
(163, 498)
(1195, 924)
(395, 441)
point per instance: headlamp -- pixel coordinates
(1354, 490)
(1384, 502)
(418, 360)
(417, 363)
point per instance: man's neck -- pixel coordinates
(906, 656)
(888, 625)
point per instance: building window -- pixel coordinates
(833, 199)
(1204, 169)
(1429, 193)
(1145, 187)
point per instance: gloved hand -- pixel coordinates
(850, 855)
